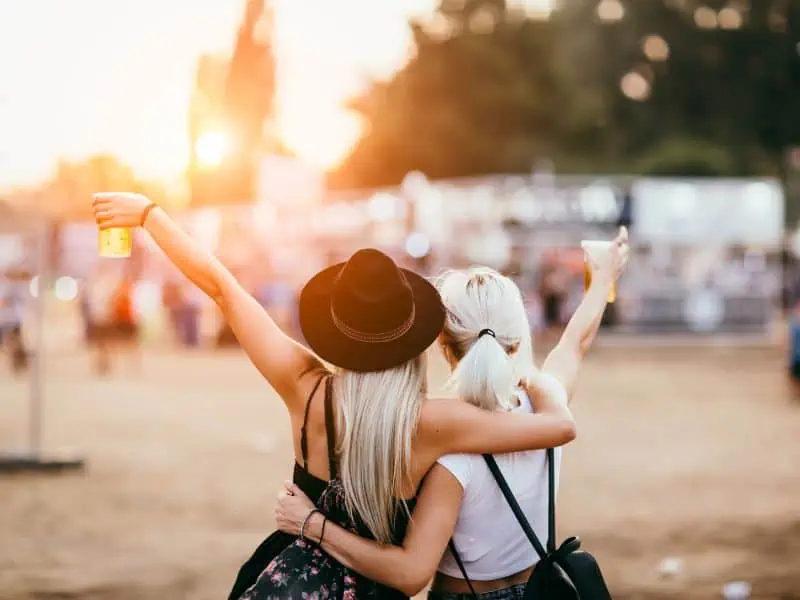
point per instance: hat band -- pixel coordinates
(363, 336)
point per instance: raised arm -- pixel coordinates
(565, 359)
(408, 567)
(280, 359)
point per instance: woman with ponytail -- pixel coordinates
(487, 342)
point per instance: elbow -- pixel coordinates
(568, 431)
(413, 586)
(218, 299)
(414, 582)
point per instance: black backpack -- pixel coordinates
(563, 573)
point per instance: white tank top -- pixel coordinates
(488, 538)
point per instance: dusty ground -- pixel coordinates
(688, 453)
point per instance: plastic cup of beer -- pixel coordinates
(593, 248)
(115, 242)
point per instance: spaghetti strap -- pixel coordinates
(330, 428)
(303, 434)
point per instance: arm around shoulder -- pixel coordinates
(452, 426)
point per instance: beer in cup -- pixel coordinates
(592, 248)
(115, 242)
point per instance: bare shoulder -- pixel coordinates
(305, 384)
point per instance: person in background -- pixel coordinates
(553, 289)
(183, 305)
(191, 307)
(171, 298)
(794, 346)
(111, 315)
(98, 290)
(125, 335)
(13, 298)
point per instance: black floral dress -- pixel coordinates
(285, 567)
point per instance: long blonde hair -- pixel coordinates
(489, 367)
(377, 418)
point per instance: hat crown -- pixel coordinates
(371, 294)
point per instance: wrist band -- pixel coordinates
(305, 520)
(146, 212)
(322, 532)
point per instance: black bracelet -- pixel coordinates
(322, 532)
(146, 212)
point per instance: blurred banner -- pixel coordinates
(726, 211)
(705, 253)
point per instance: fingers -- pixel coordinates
(288, 486)
(106, 220)
(109, 223)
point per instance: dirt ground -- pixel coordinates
(683, 452)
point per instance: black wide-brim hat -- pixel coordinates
(368, 314)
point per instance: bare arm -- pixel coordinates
(564, 361)
(565, 358)
(280, 359)
(450, 426)
(408, 567)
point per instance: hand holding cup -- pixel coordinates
(605, 260)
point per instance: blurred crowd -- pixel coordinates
(118, 308)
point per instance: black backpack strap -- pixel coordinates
(512, 502)
(461, 568)
(330, 428)
(551, 501)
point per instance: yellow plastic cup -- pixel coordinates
(590, 247)
(115, 242)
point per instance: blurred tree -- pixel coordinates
(230, 125)
(482, 94)
(720, 71)
(685, 157)
(596, 87)
(249, 99)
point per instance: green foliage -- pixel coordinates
(686, 157)
(490, 91)
(485, 99)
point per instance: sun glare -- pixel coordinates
(211, 148)
(320, 137)
(319, 68)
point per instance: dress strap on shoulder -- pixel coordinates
(330, 427)
(303, 432)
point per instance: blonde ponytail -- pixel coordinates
(485, 375)
(486, 333)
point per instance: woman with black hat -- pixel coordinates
(363, 436)
(487, 341)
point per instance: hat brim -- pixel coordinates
(333, 346)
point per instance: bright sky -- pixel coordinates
(84, 76)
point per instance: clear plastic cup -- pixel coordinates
(592, 248)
